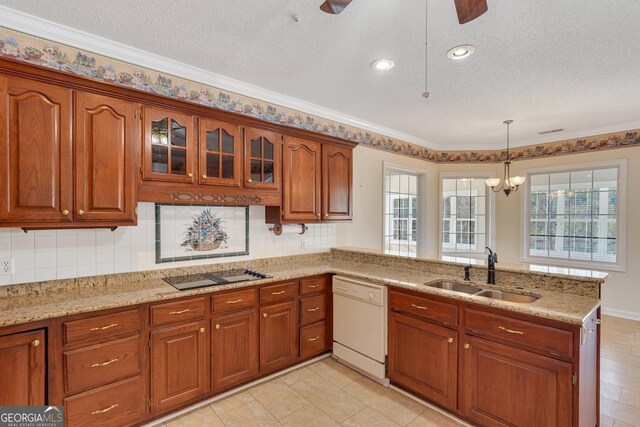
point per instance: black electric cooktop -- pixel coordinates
(193, 281)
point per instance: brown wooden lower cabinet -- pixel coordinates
(503, 386)
(278, 336)
(178, 364)
(234, 349)
(424, 358)
(22, 369)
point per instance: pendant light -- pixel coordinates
(510, 184)
(426, 92)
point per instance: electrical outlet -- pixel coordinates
(303, 243)
(6, 266)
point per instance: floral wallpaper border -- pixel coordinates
(34, 50)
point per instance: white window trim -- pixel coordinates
(621, 219)
(489, 214)
(421, 235)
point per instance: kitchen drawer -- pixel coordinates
(101, 328)
(312, 339)
(101, 364)
(279, 292)
(551, 340)
(178, 311)
(313, 285)
(233, 301)
(117, 404)
(312, 309)
(424, 307)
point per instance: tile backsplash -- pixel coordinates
(63, 254)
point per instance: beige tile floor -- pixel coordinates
(328, 394)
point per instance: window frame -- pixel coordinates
(621, 217)
(490, 224)
(421, 194)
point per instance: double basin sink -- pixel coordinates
(479, 292)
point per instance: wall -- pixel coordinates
(60, 254)
(621, 292)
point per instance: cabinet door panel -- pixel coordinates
(234, 349)
(302, 175)
(220, 149)
(106, 133)
(36, 172)
(502, 386)
(337, 170)
(423, 357)
(22, 366)
(277, 336)
(262, 159)
(169, 146)
(178, 365)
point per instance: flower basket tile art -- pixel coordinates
(189, 232)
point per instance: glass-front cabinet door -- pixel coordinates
(169, 146)
(262, 159)
(220, 153)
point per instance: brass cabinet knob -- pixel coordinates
(449, 340)
(249, 180)
(466, 346)
(326, 215)
(218, 326)
(202, 330)
(190, 175)
(65, 212)
(264, 315)
(204, 176)
(35, 343)
(80, 212)
(318, 215)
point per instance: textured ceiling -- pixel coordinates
(546, 64)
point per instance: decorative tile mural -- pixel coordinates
(186, 232)
(23, 47)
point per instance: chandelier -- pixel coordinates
(509, 184)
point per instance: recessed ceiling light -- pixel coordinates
(459, 52)
(383, 64)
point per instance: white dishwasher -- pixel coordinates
(360, 326)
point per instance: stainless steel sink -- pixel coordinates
(455, 287)
(507, 296)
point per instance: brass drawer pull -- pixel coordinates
(218, 326)
(235, 301)
(65, 212)
(313, 339)
(449, 340)
(312, 286)
(313, 309)
(102, 411)
(35, 343)
(511, 331)
(202, 330)
(108, 362)
(466, 346)
(179, 312)
(102, 328)
(278, 293)
(420, 307)
(80, 212)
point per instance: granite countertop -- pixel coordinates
(34, 304)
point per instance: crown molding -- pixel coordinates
(38, 27)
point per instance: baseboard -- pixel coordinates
(621, 313)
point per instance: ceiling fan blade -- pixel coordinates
(468, 10)
(334, 7)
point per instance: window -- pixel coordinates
(465, 215)
(574, 215)
(402, 210)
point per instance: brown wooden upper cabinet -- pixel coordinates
(105, 155)
(337, 171)
(22, 369)
(262, 159)
(36, 176)
(39, 133)
(302, 180)
(220, 153)
(169, 146)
